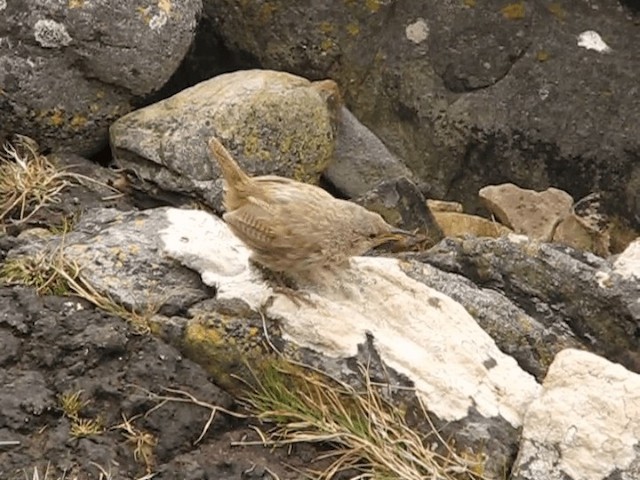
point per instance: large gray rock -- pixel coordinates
(470, 93)
(561, 288)
(69, 69)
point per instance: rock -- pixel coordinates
(69, 69)
(556, 285)
(418, 333)
(361, 160)
(532, 343)
(535, 214)
(586, 403)
(454, 224)
(108, 240)
(444, 206)
(469, 93)
(118, 382)
(573, 233)
(429, 327)
(401, 203)
(628, 262)
(272, 122)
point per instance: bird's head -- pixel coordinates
(370, 231)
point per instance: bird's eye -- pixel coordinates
(372, 235)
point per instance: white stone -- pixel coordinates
(51, 34)
(586, 423)
(592, 40)
(418, 31)
(418, 331)
(628, 262)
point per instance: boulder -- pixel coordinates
(69, 69)
(470, 93)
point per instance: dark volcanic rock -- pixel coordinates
(69, 69)
(470, 93)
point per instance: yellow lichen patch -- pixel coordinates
(327, 44)
(144, 14)
(56, 117)
(469, 3)
(542, 56)
(198, 333)
(165, 6)
(76, 3)
(266, 13)
(557, 11)
(513, 11)
(353, 28)
(326, 27)
(373, 5)
(78, 121)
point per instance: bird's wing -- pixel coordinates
(255, 219)
(284, 190)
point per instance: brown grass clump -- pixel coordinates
(364, 430)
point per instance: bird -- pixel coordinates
(292, 227)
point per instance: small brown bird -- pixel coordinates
(293, 227)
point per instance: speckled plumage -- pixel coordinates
(291, 226)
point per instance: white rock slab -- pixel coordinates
(418, 331)
(586, 423)
(628, 262)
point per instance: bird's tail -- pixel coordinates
(233, 175)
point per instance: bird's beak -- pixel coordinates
(395, 234)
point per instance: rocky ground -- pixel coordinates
(118, 427)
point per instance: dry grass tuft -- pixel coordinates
(143, 443)
(365, 431)
(52, 273)
(49, 474)
(39, 271)
(29, 181)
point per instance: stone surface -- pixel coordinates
(401, 203)
(361, 160)
(272, 122)
(444, 206)
(419, 333)
(454, 224)
(531, 342)
(628, 262)
(535, 214)
(470, 93)
(555, 285)
(584, 425)
(69, 69)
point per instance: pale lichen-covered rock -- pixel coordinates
(455, 224)
(535, 214)
(272, 122)
(69, 69)
(428, 326)
(585, 425)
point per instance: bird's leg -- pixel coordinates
(283, 284)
